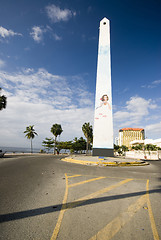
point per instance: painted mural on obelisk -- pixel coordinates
(103, 121)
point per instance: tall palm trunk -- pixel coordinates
(87, 146)
(31, 145)
(54, 145)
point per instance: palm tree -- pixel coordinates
(3, 101)
(56, 130)
(30, 133)
(88, 133)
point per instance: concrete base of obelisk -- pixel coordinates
(104, 152)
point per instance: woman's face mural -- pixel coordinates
(104, 98)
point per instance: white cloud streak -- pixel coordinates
(2, 63)
(56, 37)
(38, 32)
(56, 14)
(154, 84)
(153, 130)
(5, 33)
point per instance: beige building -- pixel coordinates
(126, 135)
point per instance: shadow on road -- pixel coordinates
(40, 211)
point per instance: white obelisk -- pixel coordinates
(103, 121)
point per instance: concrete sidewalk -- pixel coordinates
(103, 161)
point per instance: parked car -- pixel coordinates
(1, 153)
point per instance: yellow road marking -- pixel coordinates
(79, 201)
(86, 181)
(116, 224)
(153, 226)
(87, 175)
(95, 194)
(63, 209)
(74, 176)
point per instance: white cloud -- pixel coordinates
(2, 63)
(56, 37)
(153, 130)
(37, 33)
(139, 112)
(140, 105)
(154, 127)
(4, 33)
(154, 84)
(56, 14)
(135, 110)
(40, 98)
(37, 97)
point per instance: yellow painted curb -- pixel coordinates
(71, 160)
(119, 164)
(115, 164)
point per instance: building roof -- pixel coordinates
(132, 129)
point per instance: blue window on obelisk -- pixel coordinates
(103, 121)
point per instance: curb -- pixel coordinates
(100, 163)
(71, 160)
(124, 164)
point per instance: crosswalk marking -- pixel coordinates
(72, 176)
(112, 228)
(97, 193)
(86, 181)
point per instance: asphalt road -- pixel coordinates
(43, 198)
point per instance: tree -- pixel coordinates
(116, 148)
(88, 133)
(56, 130)
(120, 149)
(64, 145)
(138, 147)
(91, 139)
(30, 134)
(3, 101)
(48, 143)
(67, 145)
(124, 148)
(150, 147)
(78, 145)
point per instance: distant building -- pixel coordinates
(126, 135)
(156, 142)
(116, 141)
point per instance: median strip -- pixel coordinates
(105, 163)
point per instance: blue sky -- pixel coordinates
(48, 61)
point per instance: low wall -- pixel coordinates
(152, 155)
